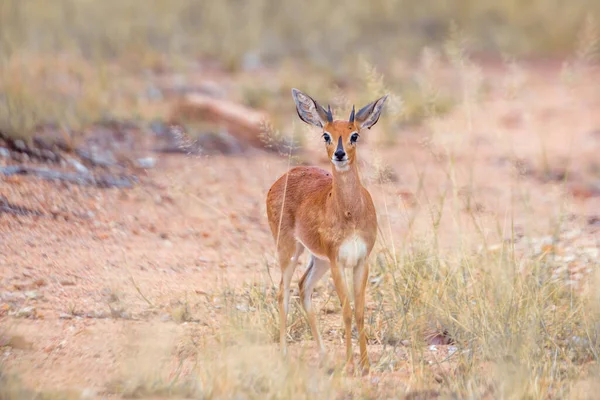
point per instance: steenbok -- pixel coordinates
(330, 214)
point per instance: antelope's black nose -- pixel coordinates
(340, 154)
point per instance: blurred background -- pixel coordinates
(138, 139)
(335, 40)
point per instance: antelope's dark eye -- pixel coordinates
(354, 138)
(327, 138)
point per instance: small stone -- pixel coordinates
(49, 155)
(4, 153)
(67, 282)
(20, 145)
(65, 316)
(31, 294)
(146, 162)
(97, 315)
(79, 167)
(26, 312)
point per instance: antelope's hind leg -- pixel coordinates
(289, 253)
(314, 272)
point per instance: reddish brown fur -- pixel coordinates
(320, 210)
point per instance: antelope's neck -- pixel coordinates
(347, 192)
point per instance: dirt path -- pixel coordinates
(80, 290)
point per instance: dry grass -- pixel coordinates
(516, 331)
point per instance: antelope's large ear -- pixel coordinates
(368, 116)
(310, 111)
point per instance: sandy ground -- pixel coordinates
(79, 291)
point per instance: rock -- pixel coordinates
(26, 312)
(146, 162)
(65, 316)
(49, 155)
(79, 167)
(239, 121)
(97, 314)
(4, 153)
(97, 157)
(32, 294)
(20, 145)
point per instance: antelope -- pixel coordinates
(330, 214)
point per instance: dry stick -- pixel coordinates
(287, 175)
(137, 288)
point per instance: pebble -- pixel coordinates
(20, 145)
(146, 162)
(4, 153)
(79, 167)
(25, 312)
(31, 294)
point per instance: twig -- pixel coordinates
(137, 288)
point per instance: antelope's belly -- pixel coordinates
(352, 251)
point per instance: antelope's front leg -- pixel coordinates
(342, 291)
(361, 275)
